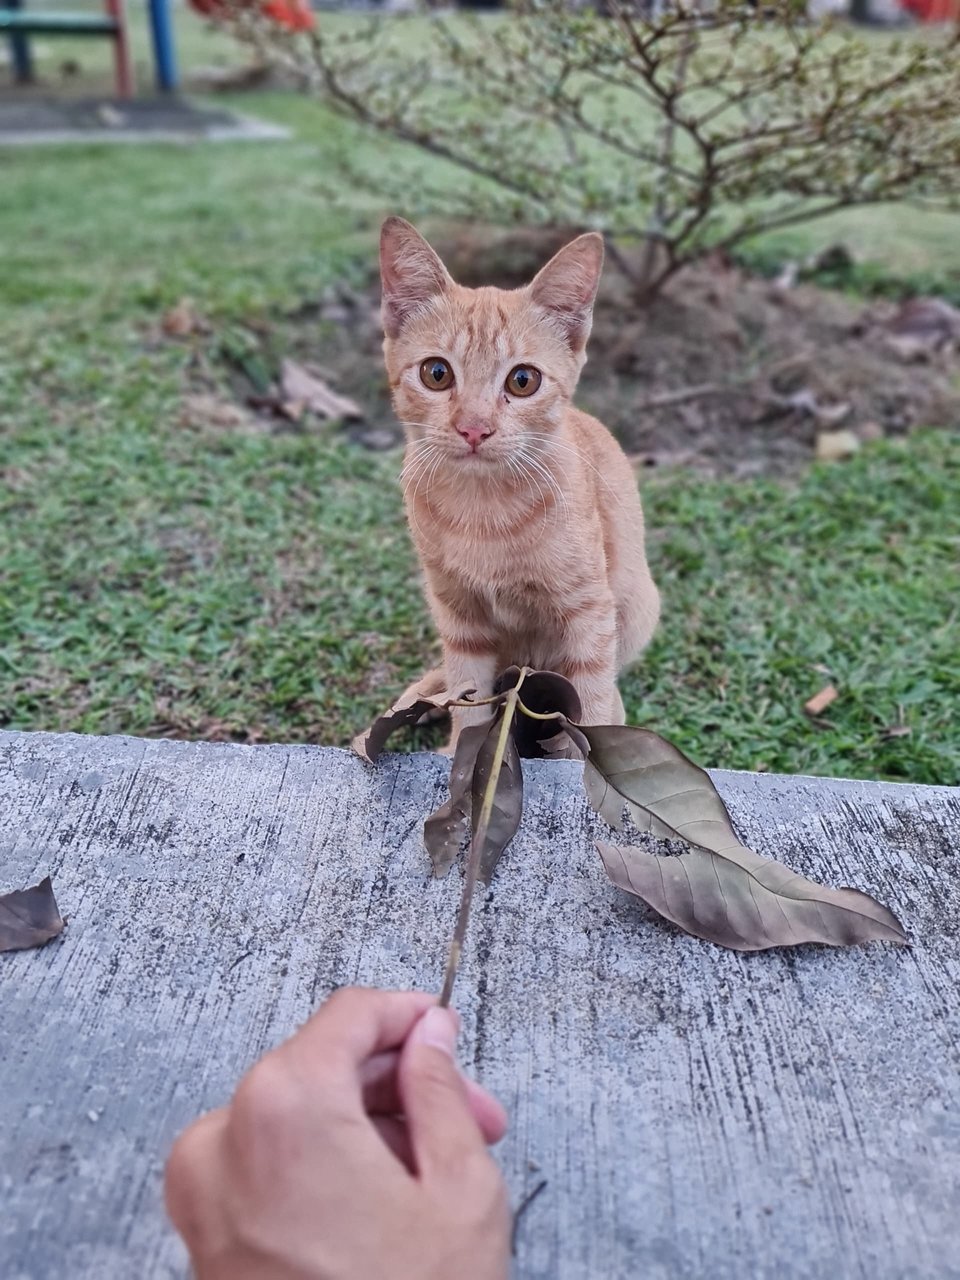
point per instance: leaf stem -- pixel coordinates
(475, 702)
(478, 841)
(540, 715)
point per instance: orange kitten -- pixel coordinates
(524, 511)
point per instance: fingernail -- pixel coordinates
(438, 1028)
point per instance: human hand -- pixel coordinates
(354, 1151)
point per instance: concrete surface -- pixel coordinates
(29, 120)
(695, 1113)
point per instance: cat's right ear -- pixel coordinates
(410, 273)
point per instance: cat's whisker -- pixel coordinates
(548, 443)
(534, 464)
(416, 465)
(526, 477)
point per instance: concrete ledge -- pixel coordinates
(696, 1113)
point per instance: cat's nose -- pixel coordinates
(474, 433)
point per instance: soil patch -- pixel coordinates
(726, 373)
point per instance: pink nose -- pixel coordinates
(475, 433)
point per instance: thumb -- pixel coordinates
(443, 1132)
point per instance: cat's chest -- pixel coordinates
(516, 591)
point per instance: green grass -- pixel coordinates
(159, 577)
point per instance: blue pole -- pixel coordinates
(164, 51)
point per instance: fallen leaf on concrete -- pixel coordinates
(820, 701)
(300, 387)
(834, 446)
(29, 917)
(745, 902)
(182, 320)
(719, 890)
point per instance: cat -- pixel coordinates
(524, 511)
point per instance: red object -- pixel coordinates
(295, 15)
(122, 65)
(933, 10)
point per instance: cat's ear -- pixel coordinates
(567, 286)
(410, 273)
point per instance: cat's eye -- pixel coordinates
(436, 374)
(524, 380)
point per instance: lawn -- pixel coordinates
(159, 576)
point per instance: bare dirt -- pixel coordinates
(725, 373)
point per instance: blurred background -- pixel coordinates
(201, 530)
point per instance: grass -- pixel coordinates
(162, 577)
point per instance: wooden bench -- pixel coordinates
(19, 23)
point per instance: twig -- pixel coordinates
(479, 840)
(700, 392)
(522, 1208)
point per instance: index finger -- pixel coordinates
(352, 1026)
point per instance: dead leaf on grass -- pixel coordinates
(29, 917)
(205, 409)
(182, 320)
(834, 446)
(820, 701)
(302, 391)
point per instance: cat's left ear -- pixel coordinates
(567, 286)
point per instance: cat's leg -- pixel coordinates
(428, 685)
(589, 661)
(468, 667)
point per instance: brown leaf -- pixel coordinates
(721, 890)
(748, 903)
(182, 320)
(820, 701)
(29, 917)
(507, 800)
(546, 693)
(407, 710)
(204, 409)
(834, 446)
(445, 831)
(300, 389)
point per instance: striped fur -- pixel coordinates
(532, 547)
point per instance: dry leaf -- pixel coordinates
(445, 831)
(205, 409)
(407, 710)
(931, 323)
(182, 320)
(29, 917)
(721, 890)
(545, 693)
(507, 798)
(868, 431)
(820, 701)
(300, 389)
(748, 903)
(834, 446)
